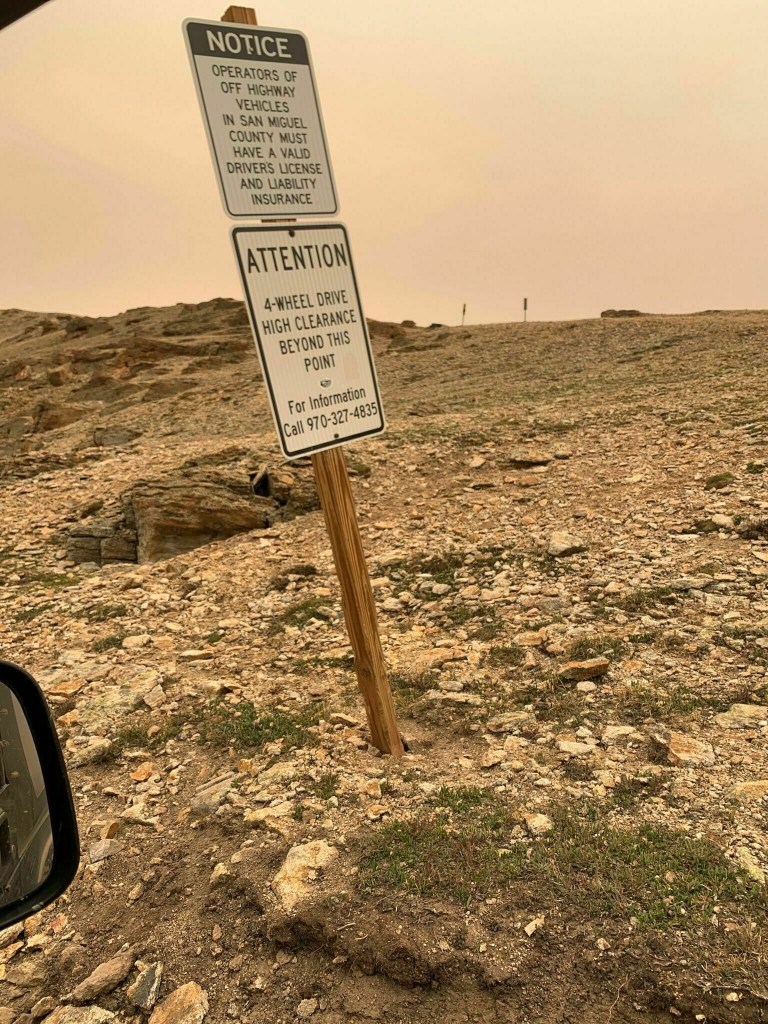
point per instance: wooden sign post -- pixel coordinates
(335, 493)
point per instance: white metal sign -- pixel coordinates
(310, 333)
(257, 93)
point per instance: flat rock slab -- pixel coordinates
(118, 699)
(745, 792)
(562, 544)
(513, 721)
(80, 1015)
(592, 668)
(106, 977)
(527, 457)
(743, 716)
(616, 734)
(684, 750)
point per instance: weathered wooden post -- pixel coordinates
(330, 468)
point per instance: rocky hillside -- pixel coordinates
(567, 528)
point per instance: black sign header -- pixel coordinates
(239, 42)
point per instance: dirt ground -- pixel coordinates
(567, 532)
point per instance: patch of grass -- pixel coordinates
(244, 726)
(308, 666)
(408, 690)
(578, 770)
(430, 856)
(744, 640)
(560, 706)
(506, 656)
(345, 661)
(667, 641)
(644, 597)
(556, 427)
(639, 701)
(103, 612)
(473, 438)
(629, 790)
(462, 799)
(661, 876)
(459, 614)
(718, 481)
(596, 645)
(490, 628)
(549, 565)
(49, 580)
(136, 735)
(109, 643)
(28, 614)
(441, 567)
(299, 614)
(326, 785)
(303, 666)
(357, 467)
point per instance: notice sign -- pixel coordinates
(261, 112)
(310, 333)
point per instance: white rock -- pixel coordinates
(221, 876)
(574, 748)
(562, 544)
(743, 716)
(80, 1015)
(748, 862)
(614, 734)
(292, 883)
(538, 824)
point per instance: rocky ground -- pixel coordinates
(567, 528)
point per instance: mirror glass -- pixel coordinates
(26, 838)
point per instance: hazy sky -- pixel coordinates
(586, 155)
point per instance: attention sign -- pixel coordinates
(257, 93)
(310, 333)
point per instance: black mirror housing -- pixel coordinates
(20, 695)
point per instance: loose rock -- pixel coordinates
(593, 668)
(562, 544)
(292, 882)
(143, 992)
(106, 977)
(187, 1004)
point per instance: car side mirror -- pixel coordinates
(39, 846)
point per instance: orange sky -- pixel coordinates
(605, 153)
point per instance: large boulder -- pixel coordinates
(176, 516)
(205, 500)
